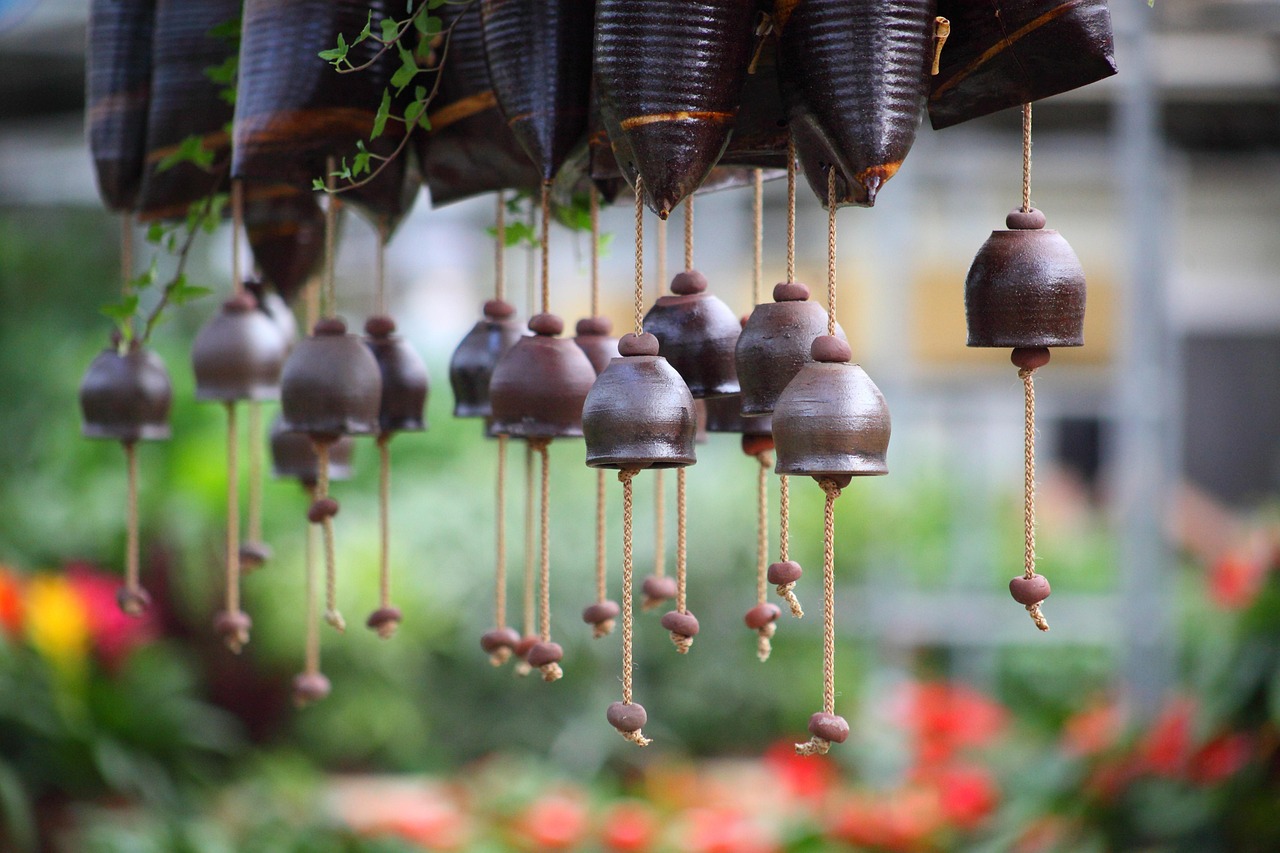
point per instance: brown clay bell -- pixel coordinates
(594, 339)
(238, 354)
(831, 421)
(540, 384)
(639, 413)
(775, 343)
(126, 397)
(331, 384)
(293, 455)
(724, 414)
(1025, 288)
(404, 377)
(471, 367)
(697, 333)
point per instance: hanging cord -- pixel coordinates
(255, 477)
(831, 251)
(311, 663)
(791, 211)
(529, 602)
(682, 642)
(328, 296)
(817, 745)
(688, 232)
(639, 290)
(595, 251)
(382, 623)
(530, 260)
(605, 627)
(628, 618)
(660, 286)
(550, 671)
(786, 590)
(1026, 158)
(546, 248)
(500, 248)
(757, 212)
(327, 507)
(133, 600)
(238, 635)
(237, 224)
(659, 532)
(764, 646)
(380, 271)
(126, 253)
(500, 541)
(1029, 489)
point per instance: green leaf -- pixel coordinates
(432, 25)
(190, 150)
(227, 30)
(182, 292)
(368, 29)
(337, 54)
(414, 111)
(224, 73)
(390, 29)
(407, 71)
(380, 117)
(156, 232)
(317, 184)
(360, 164)
(121, 311)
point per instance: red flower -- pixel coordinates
(556, 821)
(114, 635)
(967, 794)
(802, 777)
(1235, 580)
(10, 602)
(947, 717)
(1093, 730)
(1109, 779)
(1167, 746)
(1220, 758)
(629, 826)
(903, 820)
(720, 830)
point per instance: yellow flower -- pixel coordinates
(57, 621)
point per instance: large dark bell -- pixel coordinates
(594, 339)
(473, 361)
(238, 354)
(831, 421)
(639, 413)
(775, 344)
(697, 334)
(1025, 288)
(724, 414)
(271, 304)
(404, 378)
(540, 384)
(126, 397)
(331, 384)
(293, 455)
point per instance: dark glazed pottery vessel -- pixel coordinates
(1026, 288)
(854, 77)
(697, 334)
(126, 397)
(831, 422)
(471, 367)
(117, 90)
(293, 455)
(404, 378)
(331, 385)
(593, 338)
(775, 343)
(639, 413)
(238, 354)
(669, 75)
(724, 414)
(540, 384)
(285, 227)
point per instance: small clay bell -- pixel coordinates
(404, 378)
(293, 455)
(639, 413)
(238, 354)
(1025, 288)
(775, 343)
(540, 384)
(331, 384)
(594, 339)
(697, 334)
(473, 361)
(724, 414)
(831, 421)
(271, 304)
(126, 397)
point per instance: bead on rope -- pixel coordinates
(763, 617)
(1026, 290)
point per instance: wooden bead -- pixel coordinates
(787, 571)
(384, 617)
(627, 717)
(659, 587)
(594, 326)
(254, 555)
(832, 727)
(133, 602)
(1029, 590)
(684, 624)
(310, 687)
(526, 643)
(762, 615)
(1029, 358)
(499, 638)
(232, 623)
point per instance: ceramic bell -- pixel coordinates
(540, 384)
(724, 415)
(293, 455)
(1026, 288)
(331, 385)
(831, 421)
(697, 333)
(238, 354)
(775, 343)
(404, 378)
(594, 339)
(126, 397)
(639, 413)
(471, 367)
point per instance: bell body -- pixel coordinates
(670, 103)
(294, 455)
(331, 387)
(772, 348)
(724, 414)
(697, 334)
(539, 387)
(404, 384)
(639, 414)
(855, 77)
(238, 355)
(472, 364)
(1026, 288)
(593, 338)
(126, 397)
(831, 422)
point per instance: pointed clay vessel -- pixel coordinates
(117, 91)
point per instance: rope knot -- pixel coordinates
(813, 746)
(831, 487)
(637, 737)
(1033, 610)
(627, 474)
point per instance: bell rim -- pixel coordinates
(126, 433)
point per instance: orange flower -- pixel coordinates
(556, 821)
(57, 621)
(10, 602)
(629, 826)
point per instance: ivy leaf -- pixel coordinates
(367, 31)
(380, 118)
(156, 232)
(228, 30)
(431, 25)
(317, 184)
(390, 29)
(182, 292)
(414, 111)
(121, 312)
(360, 164)
(337, 54)
(190, 150)
(407, 71)
(225, 73)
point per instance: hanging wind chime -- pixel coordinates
(832, 424)
(404, 398)
(1026, 290)
(237, 356)
(125, 396)
(331, 387)
(638, 415)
